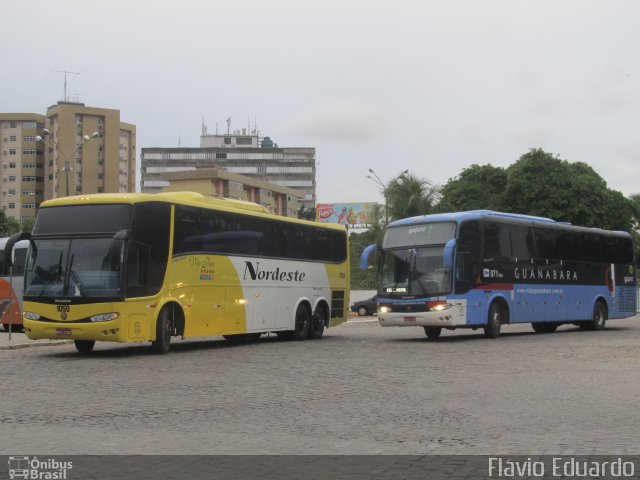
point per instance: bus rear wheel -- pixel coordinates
(301, 327)
(494, 322)
(544, 327)
(432, 332)
(317, 323)
(84, 346)
(164, 331)
(599, 318)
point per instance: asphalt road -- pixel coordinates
(362, 389)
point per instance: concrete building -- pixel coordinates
(220, 183)
(106, 162)
(22, 162)
(240, 153)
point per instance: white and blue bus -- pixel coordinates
(485, 269)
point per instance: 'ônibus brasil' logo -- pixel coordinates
(255, 273)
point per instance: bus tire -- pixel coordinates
(598, 320)
(317, 323)
(303, 319)
(164, 331)
(84, 346)
(494, 322)
(544, 327)
(432, 332)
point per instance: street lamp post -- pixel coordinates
(67, 168)
(375, 178)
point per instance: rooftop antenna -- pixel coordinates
(65, 73)
(178, 135)
(204, 127)
(228, 125)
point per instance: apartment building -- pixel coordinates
(22, 162)
(217, 182)
(238, 153)
(88, 150)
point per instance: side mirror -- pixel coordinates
(364, 258)
(449, 248)
(8, 248)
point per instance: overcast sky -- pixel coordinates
(421, 85)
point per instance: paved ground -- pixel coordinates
(362, 389)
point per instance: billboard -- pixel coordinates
(352, 214)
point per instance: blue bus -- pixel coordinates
(485, 269)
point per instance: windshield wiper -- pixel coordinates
(57, 277)
(74, 276)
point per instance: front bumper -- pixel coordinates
(110, 331)
(455, 316)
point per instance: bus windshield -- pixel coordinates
(415, 271)
(413, 260)
(79, 267)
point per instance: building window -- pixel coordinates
(13, 138)
(12, 164)
(12, 191)
(29, 138)
(227, 140)
(221, 156)
(31, 125)
(12, 205)
(12, 151)
(12, 178)
(29, 152)
(13, 125)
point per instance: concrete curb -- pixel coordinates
(13, 346)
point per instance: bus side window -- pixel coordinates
(497, 243)
(148, 249)
(468, 256)
(521, 242)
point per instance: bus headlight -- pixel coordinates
(438, 306)
(384, 309)
(31, 316)
(104, 317)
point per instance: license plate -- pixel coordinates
(409, 319)
(63, 331)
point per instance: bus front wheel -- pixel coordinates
(494, 322)
(164, 330)
(432, 332)
(84, 346)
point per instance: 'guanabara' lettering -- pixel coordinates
(278, 275)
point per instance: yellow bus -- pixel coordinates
(147, 267)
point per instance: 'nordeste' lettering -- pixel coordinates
(255, 273)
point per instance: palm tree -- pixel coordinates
(408, 196)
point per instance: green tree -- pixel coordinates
(27, 225)
(8, 226)
(477, 187)
(544, 185)
(408, 196)
(307, 213)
